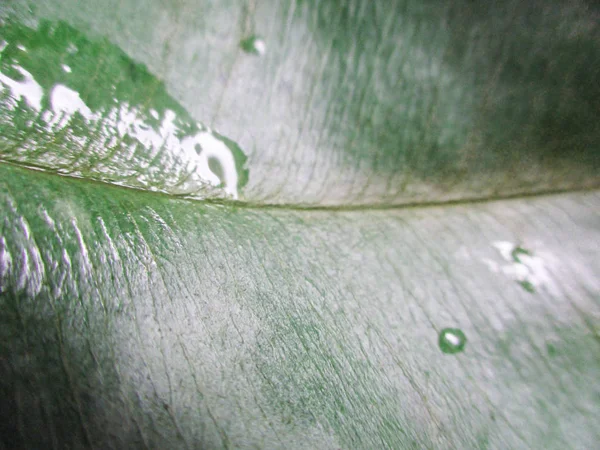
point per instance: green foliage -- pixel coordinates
(313, 312)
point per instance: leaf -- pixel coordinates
(139, 319)
(123, 128)
(353, 102)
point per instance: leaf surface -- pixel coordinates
(312, 312)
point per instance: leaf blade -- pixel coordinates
(281, 324)
(433, 103)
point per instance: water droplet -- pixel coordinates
(452, 340)
(254, 44)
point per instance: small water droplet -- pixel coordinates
(254, 44)
(452, 340)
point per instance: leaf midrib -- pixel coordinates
(248, 204)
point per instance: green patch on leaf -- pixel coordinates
(527, 285)
(90, 111)
(518, 250)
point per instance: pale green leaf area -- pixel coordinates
(137, 320)
(205, 237)
(353, 102)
